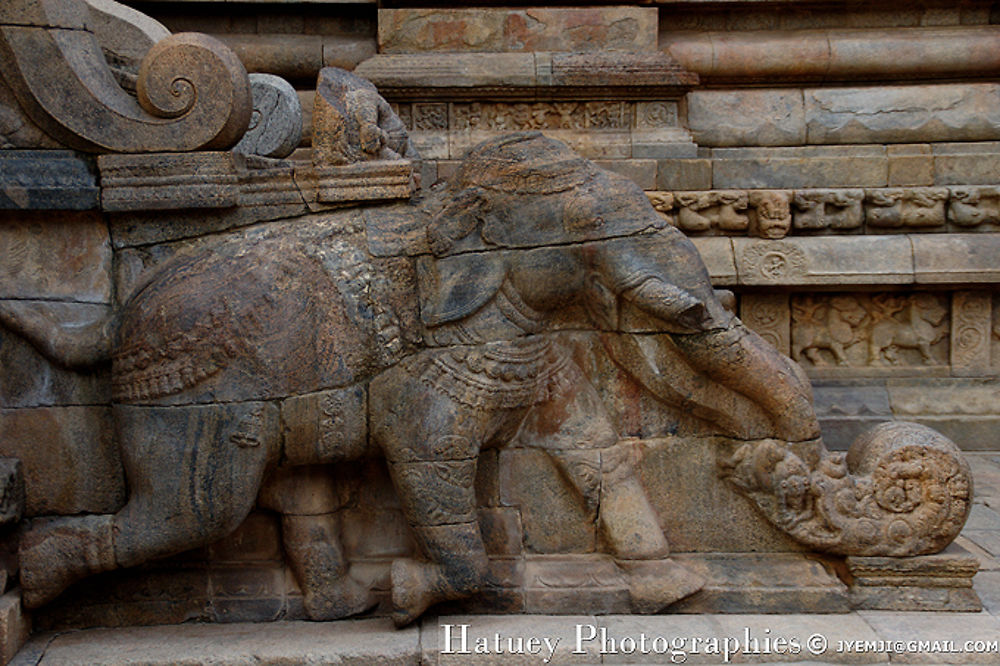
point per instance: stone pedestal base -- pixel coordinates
(762, 583)
(941, 582)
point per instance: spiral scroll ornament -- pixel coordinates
(193, 92)
(901, 490)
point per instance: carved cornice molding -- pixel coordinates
(539, 76)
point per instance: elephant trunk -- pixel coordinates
(742, 361)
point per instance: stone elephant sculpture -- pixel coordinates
(307, 341)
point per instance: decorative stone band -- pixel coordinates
(847, 261)
(526, 76)
(837, 55)
(221, 180)
(901, 490)
(775, 213)
(852, 334)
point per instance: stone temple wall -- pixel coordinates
(868, 136)
(837, 165)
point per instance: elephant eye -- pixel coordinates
(598, 221)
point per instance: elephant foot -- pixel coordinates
(411, 590)
(57, 553)
(655, 584)
(344, 598)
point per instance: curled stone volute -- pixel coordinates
(903, 489)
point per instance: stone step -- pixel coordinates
(855, 638)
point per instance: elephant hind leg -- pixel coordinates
(56, 553)
(194, 473)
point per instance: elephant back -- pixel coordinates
(282, 311)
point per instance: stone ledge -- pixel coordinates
(853, 260)
(863, 638)
(526, 76)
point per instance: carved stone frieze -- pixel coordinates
(775, 213)
(720, 211)
(973, 206)
(768, 315)
(828, 209)
(429, 394)
(863, 330)
(770, 213)
(905, 207)
(971, 321)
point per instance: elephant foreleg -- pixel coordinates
(431, 442)
(438, 499)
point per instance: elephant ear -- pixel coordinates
(455, 223)
(455, 287)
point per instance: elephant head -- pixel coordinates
(529, 219)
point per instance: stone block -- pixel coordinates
(681, 479)
(852, 399)
(956, 258)
(801, 167)
(750, 117)
(168, 181)
(451, 639)
(658, 146)
(910, 164)
(291, 56)
(31, 380)
(355, 643)
(941, 582)
(69, 458)
(47, 180)
(15, 625)
(943, 397)
(640, 171)
(532, 29)
(64, 256)
(566, 584)
(971, 326)
(938, 632)
(552, 513)
(903, 114)
(449, 70)
(383, 533)
(258, 539)
(684, 174)
(828, 260)
(966, 163)
(762, 583)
